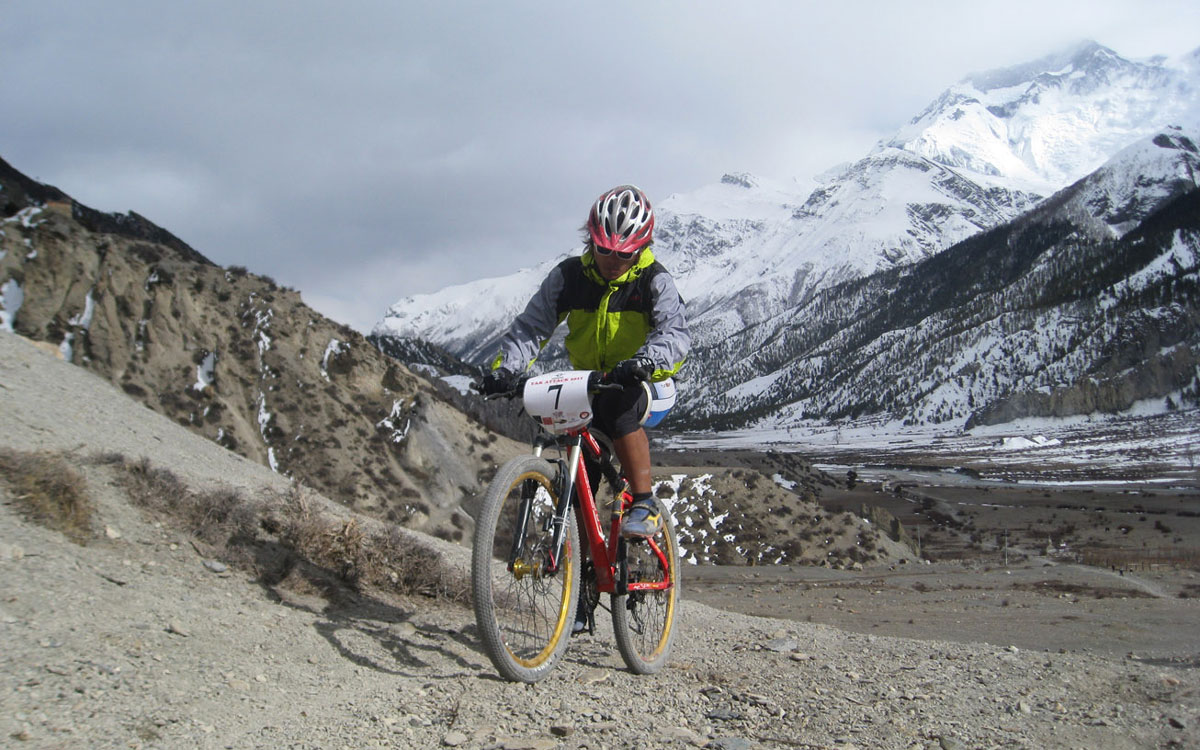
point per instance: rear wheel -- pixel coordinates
(644, 617)
(523, 609)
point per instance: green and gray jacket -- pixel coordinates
(638, 314)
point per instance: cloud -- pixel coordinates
(367, 151)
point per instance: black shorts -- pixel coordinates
(618, 413)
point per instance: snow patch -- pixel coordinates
(84, 319)
(335, 348)
(26, 217)
(1022, 443)
(393, 423)
(11, 299)
(205, 372)
(264, 421)
(787, 484)
(460, 383)
(67, 347)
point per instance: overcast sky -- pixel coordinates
(366, 151)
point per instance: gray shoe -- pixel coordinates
(642, 520)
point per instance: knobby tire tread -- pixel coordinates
(489, 581)
(646, 646)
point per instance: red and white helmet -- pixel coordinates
(622, 220)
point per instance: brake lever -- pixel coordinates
(605, 383)
(600, 381)
(515, 392)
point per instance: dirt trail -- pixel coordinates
(137, 641)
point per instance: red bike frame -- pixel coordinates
(604, 552)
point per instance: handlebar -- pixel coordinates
(560, 401)
(597, 381)
(477, 386)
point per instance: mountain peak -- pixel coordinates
(740, 179)
(1047, 122)
(1175, 139)
(750, 255)
(1077, 57)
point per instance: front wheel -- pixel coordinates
(524, 600)
(644, 617)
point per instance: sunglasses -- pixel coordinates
(622, 254)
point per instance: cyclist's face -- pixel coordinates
(612, 266)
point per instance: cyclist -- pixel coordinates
(625, 317)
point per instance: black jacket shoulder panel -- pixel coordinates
(581, 292)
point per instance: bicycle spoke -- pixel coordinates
(643, 618)
(521, 609)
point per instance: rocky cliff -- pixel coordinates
(235, 357)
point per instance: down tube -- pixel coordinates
(589, 520)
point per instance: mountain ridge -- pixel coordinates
(940, 341)
(236, 358)
(746, 249)
(245, 363)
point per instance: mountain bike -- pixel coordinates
(540, 546)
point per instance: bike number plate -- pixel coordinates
(559, 400)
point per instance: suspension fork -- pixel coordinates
(528, 491)
(566, 492)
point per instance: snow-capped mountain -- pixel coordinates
(889, 209)
(1045, 124)
(454, 318)
(1089, 302)
(985, 152)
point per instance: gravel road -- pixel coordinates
(136, 640)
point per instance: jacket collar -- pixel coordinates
(644, 261)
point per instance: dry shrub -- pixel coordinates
(382, 558)
(154, 489)
(1078, 589)
(277, 533)
(213, 516)
(48, 491)
(223, 513)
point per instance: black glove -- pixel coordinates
(632, 371)
(499, 382)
